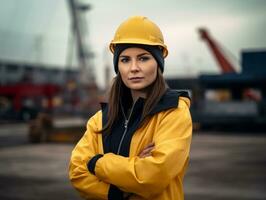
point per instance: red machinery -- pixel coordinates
(223, 62)
(19, 93)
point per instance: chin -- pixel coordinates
(137, 87)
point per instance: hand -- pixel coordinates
(126, 195)
(135, 197)
(131, 196)
(147, 150)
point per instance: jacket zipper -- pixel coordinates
(125, 126)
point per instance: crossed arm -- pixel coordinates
(163, 160)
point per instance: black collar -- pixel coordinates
(167, 101)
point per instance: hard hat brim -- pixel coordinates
(138, 41)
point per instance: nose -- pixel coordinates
(134, 66)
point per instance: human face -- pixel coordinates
(138, 69)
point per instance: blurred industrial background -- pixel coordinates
(55, 68)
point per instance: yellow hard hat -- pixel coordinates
(139, 30)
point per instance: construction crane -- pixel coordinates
(46, 127)
(80, 33)
(224, 63)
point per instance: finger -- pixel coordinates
(143, 153)
(150, 145)
(146, 155)
(148, 149)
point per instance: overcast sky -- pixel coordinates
(37, 31)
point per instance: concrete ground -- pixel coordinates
(223, 166)
(227, 166)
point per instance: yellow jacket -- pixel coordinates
(156, 177)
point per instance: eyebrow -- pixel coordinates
(142, 54)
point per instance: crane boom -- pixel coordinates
(79, 25)
(223, 62)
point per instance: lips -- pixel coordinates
(135, 78)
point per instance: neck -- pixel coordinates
(137, 94)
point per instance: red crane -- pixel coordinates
(223, 62)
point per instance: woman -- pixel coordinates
(137, 146)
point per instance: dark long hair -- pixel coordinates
(119, 92)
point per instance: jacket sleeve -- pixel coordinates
(87, 184)
(151, 175)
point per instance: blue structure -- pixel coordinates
(253, 75)
(254, 62)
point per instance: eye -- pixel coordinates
(124, 60)
(144, 58)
